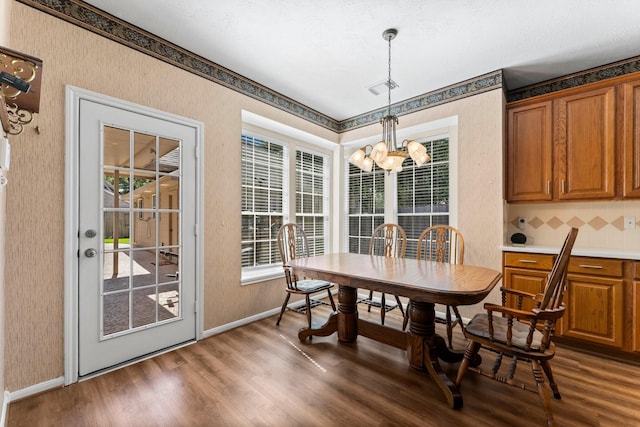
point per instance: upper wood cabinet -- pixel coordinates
(585, 144)
(529, 152)
(577, 144)
(631, 138)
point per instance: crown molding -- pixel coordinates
(99, 22)
(592, 75)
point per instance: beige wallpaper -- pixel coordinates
(35, 220)
(34, 274)
(5, 8)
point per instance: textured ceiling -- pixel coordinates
(325, 54)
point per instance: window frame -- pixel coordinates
(391, 211)
(295, 144)
(253, 273)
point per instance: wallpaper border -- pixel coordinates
(596, 74)
(97, 21)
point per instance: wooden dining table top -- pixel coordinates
(419, 280)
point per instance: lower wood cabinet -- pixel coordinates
(526, 272)
(597, 308)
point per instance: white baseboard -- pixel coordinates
(26, 392)
(5, 409)
(227, 327)
(36, 388)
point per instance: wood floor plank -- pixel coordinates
(261, 375)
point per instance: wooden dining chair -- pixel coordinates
(292, 243)
(442, 243)
(388, 240)
(522, 334)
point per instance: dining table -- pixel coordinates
(424, 283)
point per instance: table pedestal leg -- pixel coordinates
(345, 321)
(425, 347)
(348, 314)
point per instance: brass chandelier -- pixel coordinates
(386, 153)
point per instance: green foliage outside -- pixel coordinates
(121, 240)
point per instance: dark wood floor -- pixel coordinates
(261, 375)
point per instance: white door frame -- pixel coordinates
(73, 95)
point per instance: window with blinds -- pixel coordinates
(421, 198)
(312, 204)
(423, 193)
(264, 199)
(365, 201)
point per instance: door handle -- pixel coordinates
(90, 253)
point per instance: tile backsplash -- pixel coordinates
(601, 224)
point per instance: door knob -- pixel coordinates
(90, 253)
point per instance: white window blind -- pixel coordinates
(421, 198)
(264, 199)
(423, 193)
(312, 204)
(365, 202)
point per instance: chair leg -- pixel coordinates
(405, 321)
(284, 307)
(399, 305)
(383, 310)
(469, 355)
(457, 313)
(308, 300)
(449, 327)
(333, 304)
(543, 391)
(370, 300)
(546, 366)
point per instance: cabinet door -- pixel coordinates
(631, 139)
(585, 136)
(594, 309)
(532, 281)
(529, 152)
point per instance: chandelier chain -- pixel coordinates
(389, 80)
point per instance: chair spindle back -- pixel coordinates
(388, 240)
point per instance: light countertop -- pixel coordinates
(598, 253)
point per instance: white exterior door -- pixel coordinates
(137, 216)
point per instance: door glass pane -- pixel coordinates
(168, 302)
(141, 228)
(144, 306)
(116, 269)
(116, 309)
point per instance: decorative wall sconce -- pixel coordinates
(20, 80)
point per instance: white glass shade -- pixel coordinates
(367, 164)
(418, 153)
(358, 158)
(393, 161)
(379, 152)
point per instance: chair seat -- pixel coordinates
(479, 326)
(307, 286)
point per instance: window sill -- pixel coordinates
(260, 275)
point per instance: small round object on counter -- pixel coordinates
(518, 239)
